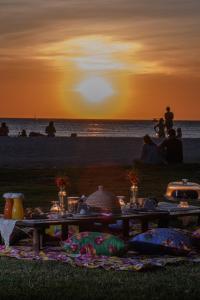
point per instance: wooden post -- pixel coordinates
(36, 240)
(144, 225)
(64, 233)
(163, 222)
(126, 228)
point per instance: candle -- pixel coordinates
(55, 208)
(183, 204)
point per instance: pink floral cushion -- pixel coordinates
(94, 243)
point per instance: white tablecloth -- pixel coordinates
(6, 229)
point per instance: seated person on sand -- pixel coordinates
(35, 134)
(150, 152)
(173, 148)
(179, 133)
(160, 128)
(22, 133)
(50, 129)
(4, 130)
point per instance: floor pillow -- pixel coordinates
(54, 231)
(116, 226)
(162, 241)
(94, 243)
(196, 238)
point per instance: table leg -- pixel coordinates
(64, 233)
(126, 228)
(36, 240)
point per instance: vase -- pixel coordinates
(8, 208)
(133, 198)
(17, 210)
(62, 196)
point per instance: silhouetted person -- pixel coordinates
(173, 148)
(4, 130)
(160, 128)
(50, 129)
(169, 117)
(23, 133)
(179, 133)
(150, 152)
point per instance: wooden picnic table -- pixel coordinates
(39, 226)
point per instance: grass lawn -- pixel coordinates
(51, 280)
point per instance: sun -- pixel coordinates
(95, 89)
(96, 74)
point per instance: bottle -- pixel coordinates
(8, 206)
(17, 210)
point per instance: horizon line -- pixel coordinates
(91, 119)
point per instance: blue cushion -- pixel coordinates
(163, 241)
(196, 238)
(116, 226)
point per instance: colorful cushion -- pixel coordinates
(162, 240)
(54, 231)
(94, 243)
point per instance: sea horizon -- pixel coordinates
(93, 119)
(98, 127)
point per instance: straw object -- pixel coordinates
(102, 200)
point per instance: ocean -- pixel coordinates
(101, 128)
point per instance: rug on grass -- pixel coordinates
(131, 262)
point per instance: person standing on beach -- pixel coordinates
(173, 148)
(50, 129)
(4, 130)
(160, 128)
(169, 117)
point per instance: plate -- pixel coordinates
(86, 215)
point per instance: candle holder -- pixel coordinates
(73, 204)
(55, 208)
(183, 204)
(122, 202)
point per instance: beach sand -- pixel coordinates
(79, 152)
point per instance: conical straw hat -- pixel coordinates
(103, 200)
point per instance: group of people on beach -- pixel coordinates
(170, 150)
(164, 125)
(50, 131)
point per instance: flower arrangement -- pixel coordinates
(133, 178)
(62, 182)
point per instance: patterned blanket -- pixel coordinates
(132, 261)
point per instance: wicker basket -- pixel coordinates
(103, 201)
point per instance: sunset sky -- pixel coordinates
(125, 59)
